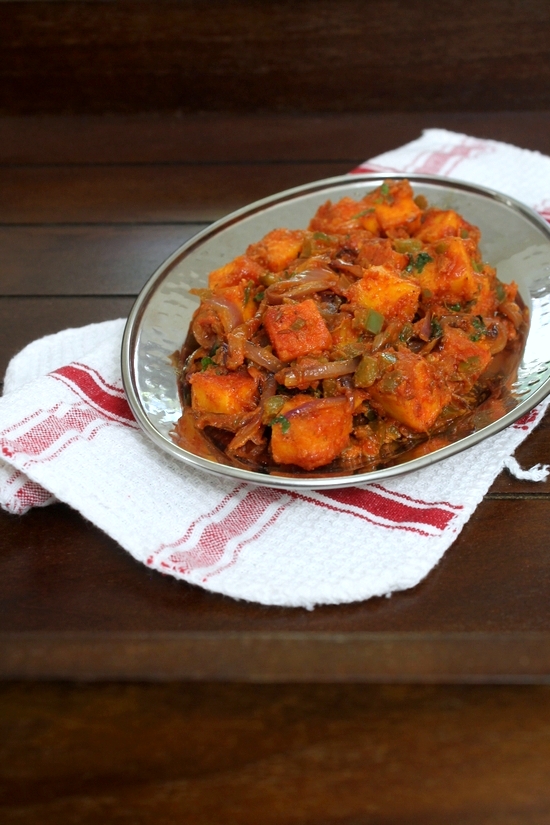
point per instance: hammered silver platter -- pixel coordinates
(514, 240)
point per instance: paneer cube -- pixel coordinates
(237, 270)
(297, 329)
(343, 216)
(396, 207)
(445, 223)
(311, 432)
(388, 293)
(278, 249)
(229, 394)
(450, 277)
(409, 392)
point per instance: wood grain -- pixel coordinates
(146, 194)
(86, 260)
(225, 137)
(297, 754)
(316, 55)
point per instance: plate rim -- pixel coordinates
(305, 482)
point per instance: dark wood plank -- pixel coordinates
(145, 194)
(85, 260)
(316, 55)
(242, 754)
(232, 138)
(24, 319)
(482, 613)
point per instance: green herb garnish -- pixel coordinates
(436, 330)
(283, 421)
(419, 262)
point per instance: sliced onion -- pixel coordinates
(513, 312)
(496, 335)
(351, 269)
(228, 312)
(306, 284)
(298, 376)
(319, 404)
(423, 328)
(253, 431)
(262, 356)
(222, 421)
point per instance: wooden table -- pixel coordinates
(131, 697)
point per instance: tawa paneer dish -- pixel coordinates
(347, 343)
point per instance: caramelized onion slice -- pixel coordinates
(262, 357)
(293, 377)
(301, 285)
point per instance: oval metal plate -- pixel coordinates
(514, 239)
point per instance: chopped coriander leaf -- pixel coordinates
(205, 363)
(500, 291)
(321, 236)
(259, 296)
(283, 421)
(385, 189)
(436, 329)
(419, 262)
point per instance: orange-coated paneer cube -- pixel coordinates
(388, 293)
(376, 251)
(237, 270)
(278, 249)
(409, 392)
(296, 329)
(445, 223)
(460, 359)
(311, 432)
(229, 394)
(450, 276)
(344, 216)
(395, 207)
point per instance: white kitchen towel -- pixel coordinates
(67, 433)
